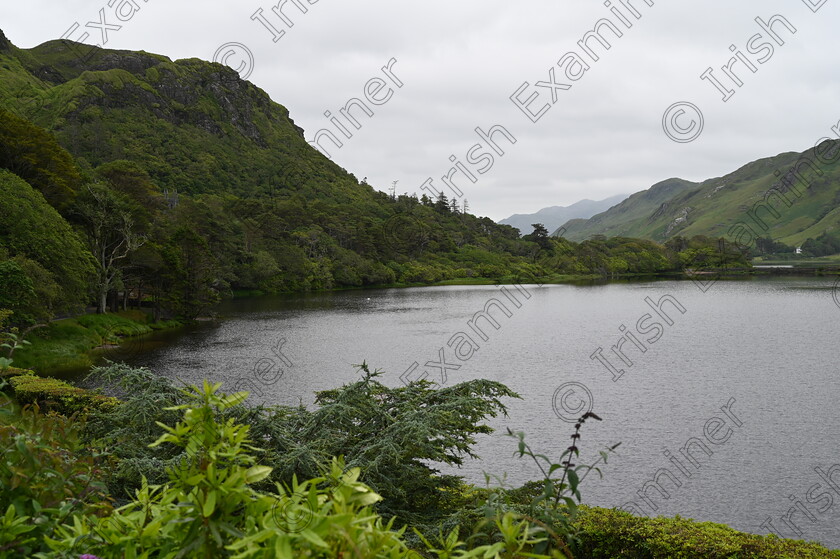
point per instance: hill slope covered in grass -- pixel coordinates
(802, 202)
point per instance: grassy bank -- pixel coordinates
(72, 344)
(797, 261)
(611, 533)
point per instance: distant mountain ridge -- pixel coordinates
(614, 220)
(555, 216)
(789, 197)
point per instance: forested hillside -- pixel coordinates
(174, 184)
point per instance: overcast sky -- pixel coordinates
(460, 62)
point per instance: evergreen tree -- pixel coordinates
(442, 204)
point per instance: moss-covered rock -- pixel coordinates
(57, 395)
(610, 533)
(10, 372)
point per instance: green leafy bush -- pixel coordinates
(391, 434)
(9, 372)
(47, 477)
(209, 509)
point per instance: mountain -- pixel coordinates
(555, 216)
(789, 197)
(189, 183)
(192, 125)
(614, 221)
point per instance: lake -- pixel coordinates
(724, 401)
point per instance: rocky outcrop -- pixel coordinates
(4, 42)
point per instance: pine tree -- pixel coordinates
(442, 204)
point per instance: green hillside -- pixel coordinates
(215, 184)
(619, 219)
(193, 126)
(185, 184)
(742, 206)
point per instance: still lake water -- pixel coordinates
(763, 349)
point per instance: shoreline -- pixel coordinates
(69, 345)
(562, 279)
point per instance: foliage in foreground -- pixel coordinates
(56, 395)
(47, 477)
(208, 508)
(391, 433)
(222, 498)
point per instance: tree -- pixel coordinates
(48, 293)
(442, 203)
(539, 236)
(130, 179)
(111, 236)
(44, 245)
(191, 274)
(34, 155)
(393, 433)
(17, 293)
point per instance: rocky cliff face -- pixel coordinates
(109, 104)
(4, 42)
(203, 96)
(172, 91)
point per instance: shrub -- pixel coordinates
(209, 509)
(46, 478)
(391, 434)
(57, 395)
